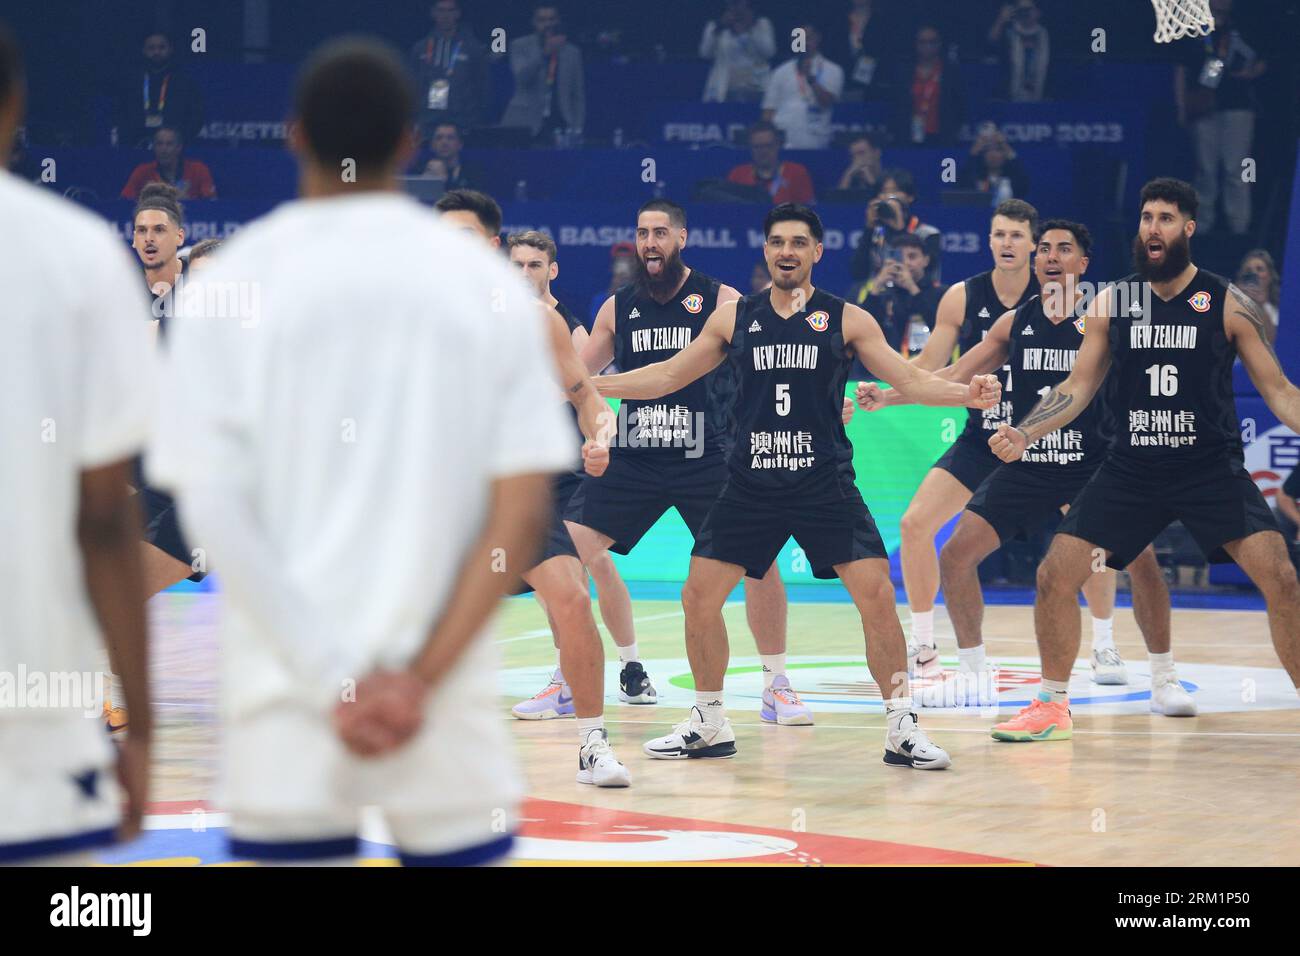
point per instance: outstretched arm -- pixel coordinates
(988, 356)
(662, 378)
(862, 333)
(1065, 402)
(1248, 328)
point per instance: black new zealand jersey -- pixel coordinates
(1173, 365)
(645, 332)
(791, 374)
(983, 308)
(1042, 355)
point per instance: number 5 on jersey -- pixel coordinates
(783, 399)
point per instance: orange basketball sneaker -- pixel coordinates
(1042, 720)
(114, 718)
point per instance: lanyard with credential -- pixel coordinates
(455, 52)
(162, 94)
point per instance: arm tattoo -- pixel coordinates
(1255, 315)
(577, 386)
(1051, 405)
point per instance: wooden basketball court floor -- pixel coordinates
(1131, 788)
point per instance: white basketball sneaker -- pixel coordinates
(1170, 698)
(694, 738)
(910, 747)
(1108, 667)
(597, 764)
(923, 660)
(977, 688)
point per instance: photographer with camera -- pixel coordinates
(993, 167)
(890, 215)
(900, 296)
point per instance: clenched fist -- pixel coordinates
(985, 391)
(871, 396)
(595, 457)
(1008, 442)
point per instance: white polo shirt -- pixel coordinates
(805, 124)
(359, 373)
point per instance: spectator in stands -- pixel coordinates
(864, 170)
(931, 104)
(889, 215)
(446, 144)
(783, 181)
(550, 89)
(1257, 276)
(901, 296)
(157, 95)
(191, 177)
(865, 49)
(1214, 94)
(1024, 48)
(451, 71)
(622, 270)
(993, 167)
(741, 47)
(801, 93)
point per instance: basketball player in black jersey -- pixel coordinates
(1038, 343)
(648, 321)
(534, 255)
(157, 234)
(558, 576)
(791, 474)
(967, 311)
(1177, 455)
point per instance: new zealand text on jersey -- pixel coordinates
(1048, 360)
(1162, 336)
(675, 337)
(785, 355)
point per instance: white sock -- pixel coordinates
(628, 653)
(773, 664)
(558, 676)
(897, 709)
(1161, 664)
(923, 627)
(116, 695)
(971, 659)
(587, 724)
(1054, 691)
(1103, 633)
(710, 707)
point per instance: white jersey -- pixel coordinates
(373, 372)
(75, 394)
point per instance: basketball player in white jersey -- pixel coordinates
(534, 255)
(75, 376)
(370, 471)
(966, 313)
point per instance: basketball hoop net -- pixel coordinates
(1182, 18)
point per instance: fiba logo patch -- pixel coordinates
(1200, 302)
(693, 303)
(819, 321)
(1078, 324)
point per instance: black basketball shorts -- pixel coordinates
(1018, 502)
(1127, 503)
(636, 489)
(969, 460)
(827, 518)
